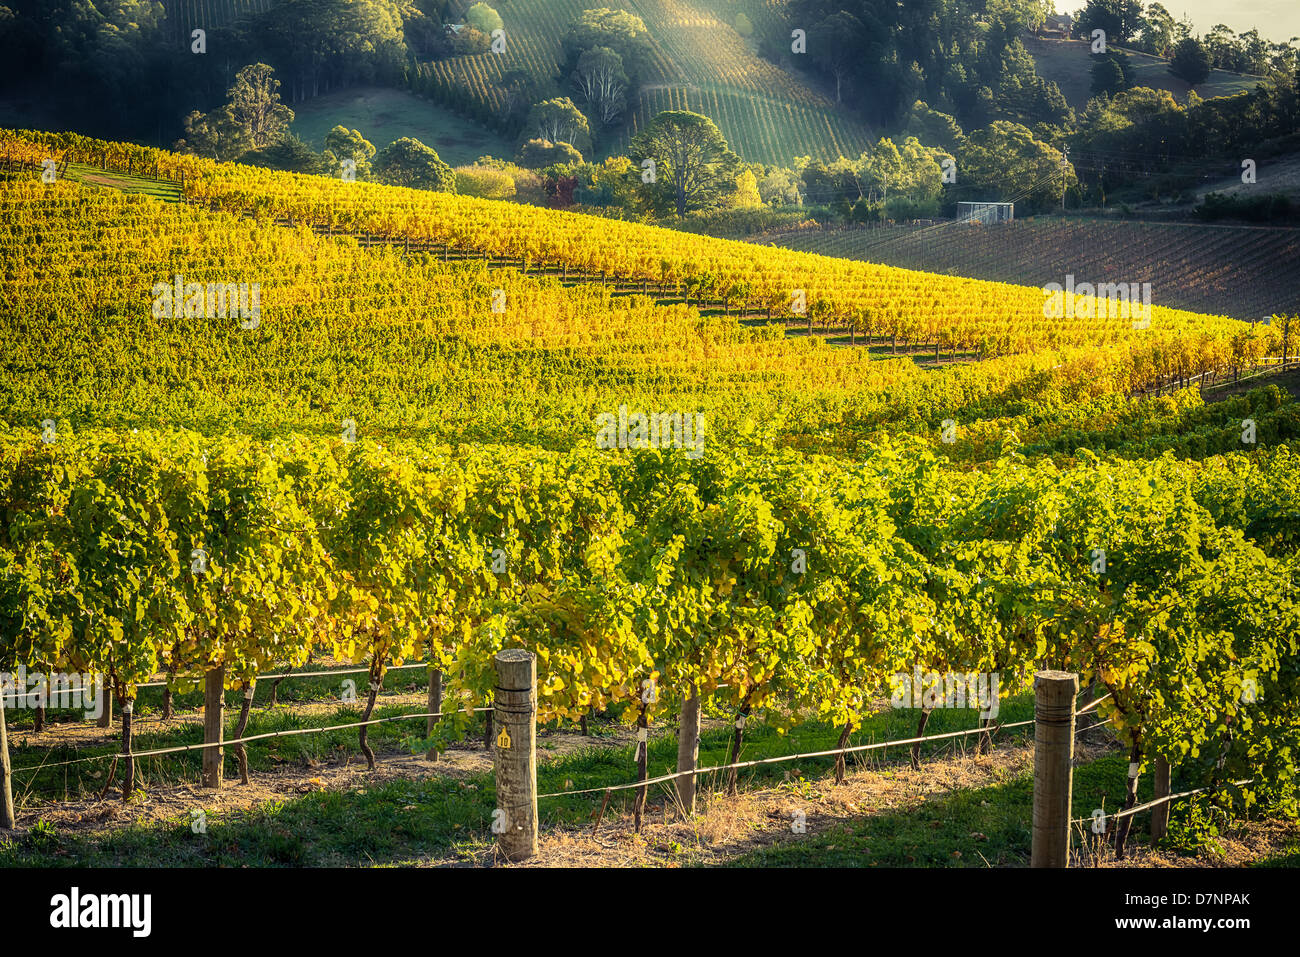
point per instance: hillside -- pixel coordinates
(700, 63)
(1068, 63)
(1241, 271)
(384, 115)
(183, 16)
(414, 444)
(1276, 175)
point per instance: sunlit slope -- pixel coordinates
(341, 331)
(699, 62)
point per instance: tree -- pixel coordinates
(603, 84)
(319, 44)
(1109, 73)
(254, 104)
(1121, 19)
(484, 182)
(1190, 61)
(693, 166)
(288, 153)
(1158, 31)
(344, 144)
(780, 187)
(215, 135)
(408, 162)
(620, 31)
(1004, 160)
(519, 89)
(934, 128)
(559, 121)
(483, 18)
(746, 195)
(1223, 48)
(537, 153)
(608, 184)
(837, 44)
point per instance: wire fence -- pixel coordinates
(607, 790)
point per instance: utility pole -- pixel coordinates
(1065, 162)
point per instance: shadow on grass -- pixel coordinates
(980, 827)
(405, 821)
(391, 822)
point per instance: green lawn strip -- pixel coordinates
(605, 766)
(158, 189)
(929, 834)
(385, 823)
(398, 821)
(384, 115)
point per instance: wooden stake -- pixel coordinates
(1130, 799)
(642, 767)
(1160, 813)
(214, 703)
(128, 773)
(7, 820)
(241, 753)
(515, 756)
(435, 707)
(1054, 693)
(688, 750)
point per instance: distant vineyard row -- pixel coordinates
(1246, 272)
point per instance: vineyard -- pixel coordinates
(394, 456)
(1240, 271)
(699, 62)
(185, 16)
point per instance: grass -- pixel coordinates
(939, 832)
(55, 783)
(402, 821)
(390, 822)
(1068, 63)
(445, 818)
(158, 189)
(383, 115)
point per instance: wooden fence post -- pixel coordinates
(514, 758)
(688, 750)
(1160, 813)
(7, 821)
(1054, 694)
(214, 703)
(128, 774)
(435, 707)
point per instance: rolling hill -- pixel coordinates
(700, 63)
(1068, 64)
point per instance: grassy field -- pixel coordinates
(384, 115)
(949, 814)
(700, 62)
(1068, 64)
(394, 820)
(158, 189)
